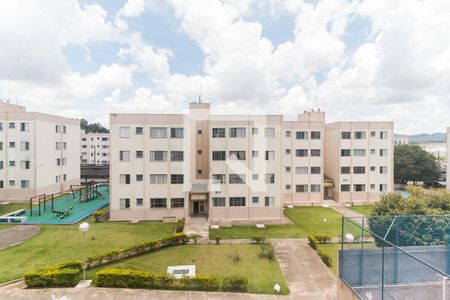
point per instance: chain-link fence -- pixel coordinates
(396, 257)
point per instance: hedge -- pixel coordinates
(312, 242)
(117, 278)
(235, 284)
(60, 275)
(322, 238)
(327, 260)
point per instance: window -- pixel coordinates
(359, 170)
(315, 135)
(237, 155)
(124, 178)
(24, 164)
(12, 163)
(287, 133)
(65, 145)
(218, 155)
(139, 201)
(124, 203)
(383, 135)
(301, 188)
(1, 145)
(345, 187)
(383, 187)
(218, 178)
(359, 135)
(199, 131)
(139, 131)
(12, 125)
(255, 153)
(287, 169)
(24, 146)
(345, 170)
(255, 176)
(158, 155)
(270, 132)
(176, 155)
(237, 201)
(199, 152)
(12, 183)
(255, 131)
(359, 152)
(104, 139)
(373, 134)
(301, 135)
(158, 178)
(269, 201)
(288, 187)
(359, 187)
(218, 132)
(373, 151)
(301, 152)
(372, 168)
(288, 151)
(58, 146)
(383, 152)
(177, 202)
(218, 201)
(1, 184)
(315, 170)
(315, 188)
(255, 200)
(24, 127)
(176, 178)
(139, 154)
(237, 178)
(345, 152)
(24, 184)
(1, 126)
(346, 135)
(64, 129)
(83, 139)
(158, 202)
(237, 132)
(139, 177)
(158, 132)
(383, 170)
(1, 164)
(124, 133)
(124, 155)
(270, 178)
(301, 170)
(64, 177)
(270, 155)
(315, 152)
(176, 133)
(57, 129)
(12, 144)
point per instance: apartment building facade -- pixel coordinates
(94, 148)
(39, 153)
(447, 176)
(359, 157)
(233, 168)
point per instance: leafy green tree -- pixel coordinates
(412, 163)
(93, 127)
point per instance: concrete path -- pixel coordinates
(17, 234)
(198, 225)
(306, 275)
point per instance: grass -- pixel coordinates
(57, 243)
(214, 260)
(307, 220)
(365, 210)
(4, 209)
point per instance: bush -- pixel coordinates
(327, 260)
(97, 214)
(235, 284)
(116, 278)
(259, 239)
(60, 275)
(199, 283)
(267, 252)
(312, 242)
(195, 237)
(217, 239)
(322, 238)
(180, 226)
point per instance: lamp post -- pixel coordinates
(84, 227)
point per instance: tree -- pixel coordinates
(412, 163)
(93, 127)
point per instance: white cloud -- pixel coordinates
(132, 8)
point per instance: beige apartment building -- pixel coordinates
(94, 148)
(447, 176)
(359, 157)
(233, 168)
(39, 153)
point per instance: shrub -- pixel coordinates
(235, 256)
(199, 283)
(180, 226)
(217, 239)
(97, 214)
(259, 239)
(235, 284)
(266, 252)
(327, 260)
(59, 275)
(195, 237)
(117, 278)
(322, 238)
(312, 242)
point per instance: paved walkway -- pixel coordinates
(307, 278)
(198, 225)
(17, 234)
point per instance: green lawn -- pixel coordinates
(57, 243)
(365, 210)
(307, 220)
(214, 260)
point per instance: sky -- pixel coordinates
(367, 60)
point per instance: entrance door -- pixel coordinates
(199, 207)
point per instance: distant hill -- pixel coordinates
(426, 137)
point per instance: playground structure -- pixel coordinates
(87, 192)
(41, 199)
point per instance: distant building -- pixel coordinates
(94, 148)
(448, 164)
(401, 139)
(39, 153)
